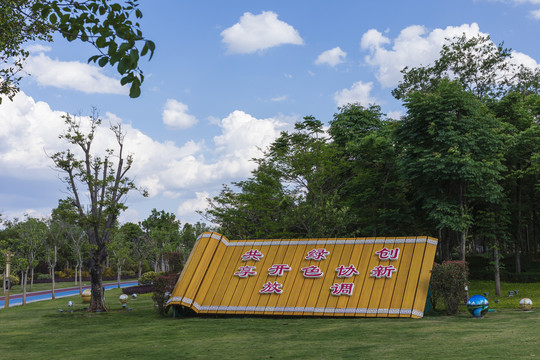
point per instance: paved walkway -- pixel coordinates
(16, 299)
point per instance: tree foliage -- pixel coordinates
(112, 28)
(480, 66)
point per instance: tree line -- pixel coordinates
(461, 165)
(60, 242)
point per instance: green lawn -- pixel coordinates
(39, 331)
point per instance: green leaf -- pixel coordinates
(103, 61)
(53, 19)
(126, 79)
(135, 90)
(123, 65)
(134, 55)
(101, 42)
(93, 58)
(151, 47)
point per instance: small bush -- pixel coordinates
(448, 283)
(163, 287)
(43, 277)
(69, 273)
(108, 272)
(139, 289)
(148, 277)
(13, 280)
(128, 273)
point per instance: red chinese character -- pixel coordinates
(278, 269)
(252, 255)
(386, 254)
(271, 287)
(317, 254)
(342, 289)
(312, 272)
(245, 271)
(346, 272)
(383, 271)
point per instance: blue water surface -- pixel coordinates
(33, 298)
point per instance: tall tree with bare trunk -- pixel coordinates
(102, 179)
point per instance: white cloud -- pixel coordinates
(518, 58)
(175, 115)
(331, 57)
(71, 75)
(259, 32)
(192, 205)
(29, 131)
(526, 1)
(414, 46)
(279, 98)
(536, 14)
(358, 93)
(36, 48)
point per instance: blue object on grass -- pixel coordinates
(477, 305)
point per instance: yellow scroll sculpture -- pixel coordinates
(368, 277)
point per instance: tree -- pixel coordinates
(481, 67)
(78, 243)
(374, 192)
(259, 209)
(140, 244)
(313, 172)
(294, 192)
(106, 25)
(56, 239)
(163, 229)
(120, 246)
(32, 233)
(106, 184)
(451, 154)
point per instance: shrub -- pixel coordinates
(69, 273)
(163, 287)
(139, 289)
(108, 272)
(43, 277)
(13, 280)
(148, 277)
(448, 283)
(128, 273)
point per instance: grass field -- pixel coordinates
(40, 331)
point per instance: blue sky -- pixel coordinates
(226, 78)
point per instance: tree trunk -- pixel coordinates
(80, 278)
(497, 270)
(97, 261)
(32, 279)
(119, 274)
(462, 244)
(518, 255)
(519, 232)
(97, 301)
(140, 273)
(52, 283)
(24, 281)
(76, 272)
